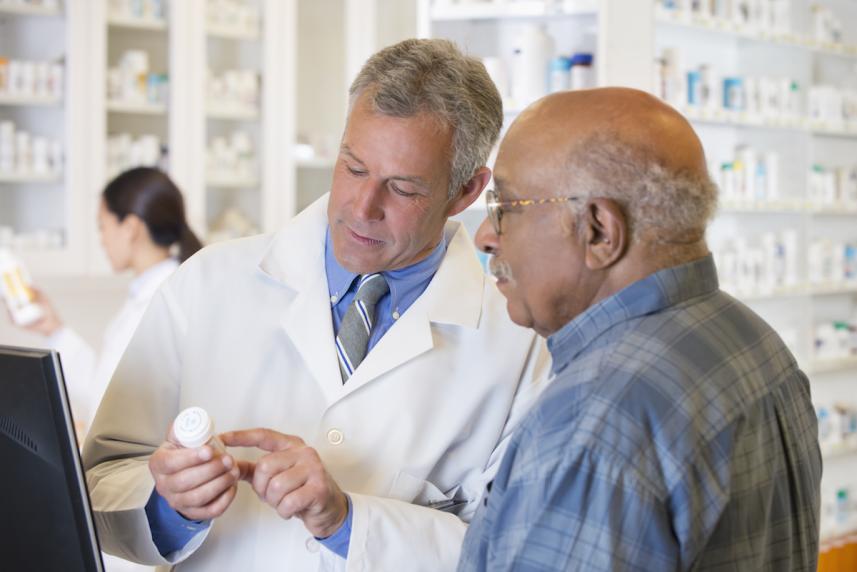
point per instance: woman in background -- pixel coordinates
(141, 219)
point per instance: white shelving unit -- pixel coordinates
(734, 119)
(719, 25)
(182, 46)
(846, 450)
(489, 30)
(743, 50)
(801, 142)
(832, 365)
(29, 101)
(234, 113)
(16, 9)
(445, 11)
(629, 37)
(221, 31)
(260, 195)
(233, 182)
(136, 108)
(112, 35)
(150, 24)
(801, 290)
(43, 209)
(233, 195)
(30, 178)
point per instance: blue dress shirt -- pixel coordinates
(406, 285)
(170, 530)
(677, 434)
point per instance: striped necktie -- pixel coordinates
(352, 341)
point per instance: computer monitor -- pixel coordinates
(45, 518)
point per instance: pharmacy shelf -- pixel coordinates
(136, 108)
(832, 289)
(149, 24)
(25, 10)
(316, 163)
(232, 33)
(742, 119)
(838, 450)
(232, 112)
(801, 290)
(30, 178)
(228, 182)
(769, 207)
(30, 100)
(788, 207)
(445, 11)
(832, 365)
(832, 210)
(728, 27)
(775, 294)
(844, 536)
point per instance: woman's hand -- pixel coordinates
(50, 322)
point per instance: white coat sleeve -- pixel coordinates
(137, 409)
(386, 532)
(78, 364)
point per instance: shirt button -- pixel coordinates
(395, 315)
(311, 545)
(335, 437)
(334, 298)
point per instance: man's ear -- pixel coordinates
(469, 192)
(606, 233)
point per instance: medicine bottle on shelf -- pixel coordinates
(194, 428)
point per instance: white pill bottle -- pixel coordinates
(194, 428)
(15, 289)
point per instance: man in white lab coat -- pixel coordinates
(363, 343)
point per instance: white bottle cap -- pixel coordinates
(26, 315)
(193, 427)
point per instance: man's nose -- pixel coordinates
(368, 203)
(486, 239)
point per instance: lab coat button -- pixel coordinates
(335, 437)
(311, 545)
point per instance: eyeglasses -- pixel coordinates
(496, 206)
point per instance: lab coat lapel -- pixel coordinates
(307, 322)
(454, 297)
(296, 259)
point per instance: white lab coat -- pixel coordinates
(244, 330)
(87, 374)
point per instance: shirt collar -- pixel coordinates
(406, 284)
(146, 283)
(653, 293)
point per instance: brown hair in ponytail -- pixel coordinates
(151, 195)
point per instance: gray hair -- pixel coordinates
(435, 77)
(663, 206)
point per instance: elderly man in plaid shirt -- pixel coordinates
(678, 433)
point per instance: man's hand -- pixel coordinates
(292, 479)
(195, 482)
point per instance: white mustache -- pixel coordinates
(500, 269)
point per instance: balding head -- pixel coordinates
(632, 118)
(628, 146)
(595, 190)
